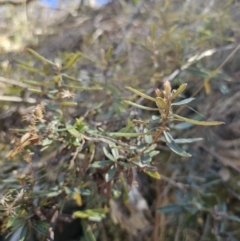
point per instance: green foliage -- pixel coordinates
(121, 156)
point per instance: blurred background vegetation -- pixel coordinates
(63, 72)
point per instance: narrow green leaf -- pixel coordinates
(161, 103)
(195, 122)
(71, 78)
(73, 131)
(148, 139)
(184, 102)
(173, 146)
(125, 164)
(234, 218)
(29, 68)
(38, 56)
(36, 91)
(153, 174)
(181, 126)
(154, 153)
(80, 214)
(99, 164)
(41, 227)
(197, 72)
(153, 31)
(123, 134)
(82, 87)
(68, 103)
(190, 140)
(54, 194)
(180, 89)
(139, 106)
(171, 208)
(141, 94)
(46, 142)
(24, 233)
(110, 173)
(109, 53)
(95, 218)
(71, 61)
(37, 83)
(108, 155)
(88, 234)
(96, 212)
(115, 153)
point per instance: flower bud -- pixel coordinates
(167, 88)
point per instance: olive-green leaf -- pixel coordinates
(37, 83)
(173, 146)
(71, 61)
(180, 89)
(68, 103)
(80, 214)
(109, 53)
(82, 87)
(139, 106)
(190, 140)
(197, 72)
(108, 155)
(29, 68)
(99, 164)
(171, 208)
(124, 134)
(73, 131)
(140, 93)
(184, 102)
(195, 122)
(40, 57)
(153, 174)
(110, 173)
(71, 78)
(161, 103)
(125, 164)
(24, 233)
(88, 234)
